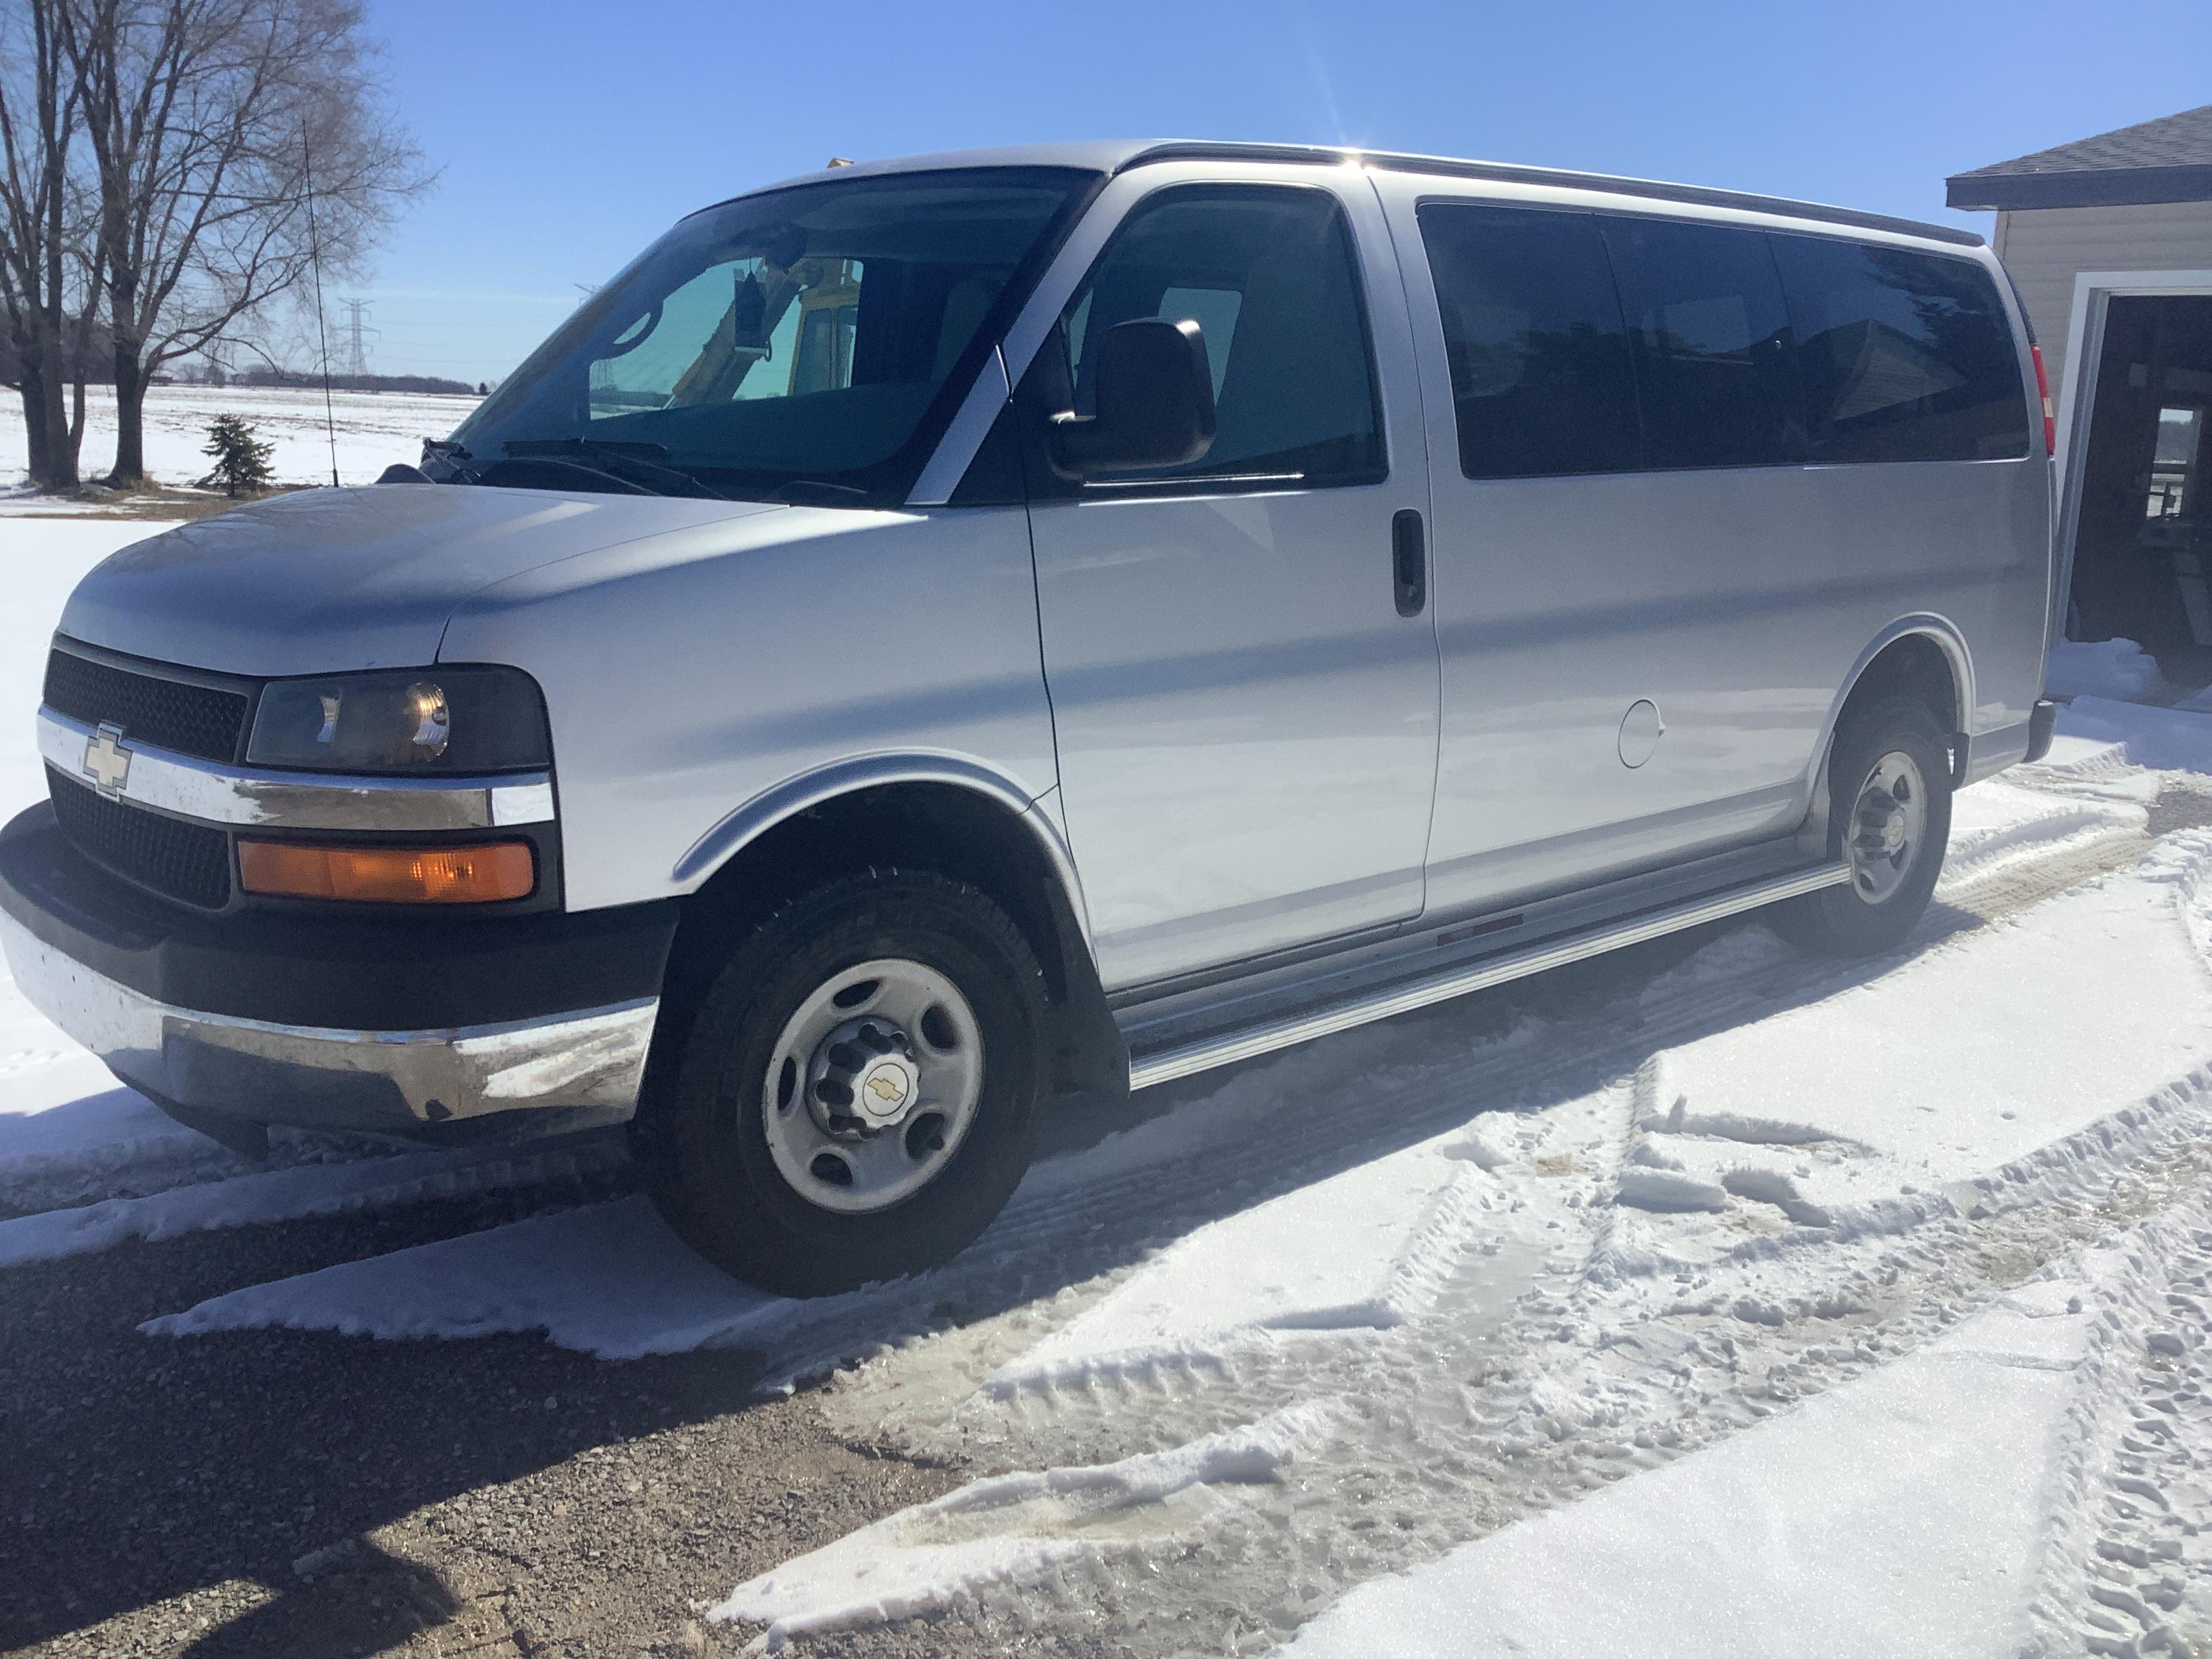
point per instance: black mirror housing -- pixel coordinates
(1155, 402)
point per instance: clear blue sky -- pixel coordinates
(571, 134)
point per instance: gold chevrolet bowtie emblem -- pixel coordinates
(106, 761)
(886, 1089)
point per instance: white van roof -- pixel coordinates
(1117, 155)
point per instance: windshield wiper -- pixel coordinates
(643, 452)
(642, 463)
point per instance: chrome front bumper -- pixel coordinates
(203, 1065)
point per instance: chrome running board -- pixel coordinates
(1369, 1002)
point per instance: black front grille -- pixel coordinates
(186, 861)
(191, 719)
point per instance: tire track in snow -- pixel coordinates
(1449, 1436)
(2128, 1570)
(1909, 1510)
(1711, 1367)
(1010, 1529)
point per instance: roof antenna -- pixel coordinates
(322, 333)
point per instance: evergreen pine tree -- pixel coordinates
(241, 459)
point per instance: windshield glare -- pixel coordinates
(799, 335)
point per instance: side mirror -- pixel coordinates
(1155, 402)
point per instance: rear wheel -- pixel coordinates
(1889, 784)
(857, 1093)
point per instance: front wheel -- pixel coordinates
(1889, 784)
(858, 1089)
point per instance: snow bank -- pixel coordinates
(65, 1128)
(68, 1134)
(40, 560)
(2103, 668)
(2165, 740)
(1934, 1084)
(609, 1279)
(290, 1195)
(1999, 824)
(1900, 1515)
(1364, 1249)
(1013, 1527)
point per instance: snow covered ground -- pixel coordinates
(1708, 1300)
(373, 429)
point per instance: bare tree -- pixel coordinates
(207, 121)
(49, 277)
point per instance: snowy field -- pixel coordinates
(372, 429)
(1710, 1302)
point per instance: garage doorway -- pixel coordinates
(2138, 509)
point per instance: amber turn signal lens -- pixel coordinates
(390, 875)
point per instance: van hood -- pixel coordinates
(319, 581)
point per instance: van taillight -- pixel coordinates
(2043, 391)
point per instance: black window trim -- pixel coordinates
(1045, 487)
(1958, 256)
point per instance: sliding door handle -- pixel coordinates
(1409, 562)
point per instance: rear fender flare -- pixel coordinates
(1945, 635)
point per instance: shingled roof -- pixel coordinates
(2168, 160)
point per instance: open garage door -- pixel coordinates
(2143, 483)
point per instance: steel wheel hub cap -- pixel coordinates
(1888, 823)
(863, 1078)
(873, 1082)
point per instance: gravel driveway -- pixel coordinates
(301, 1494)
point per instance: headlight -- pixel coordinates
(416, 720)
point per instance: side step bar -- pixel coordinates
(1403, 997)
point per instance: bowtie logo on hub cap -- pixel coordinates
(865, 1077)
(885, 1092)
(106, 761)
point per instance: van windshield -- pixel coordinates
(811, 341)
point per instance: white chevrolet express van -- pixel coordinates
(941, 635)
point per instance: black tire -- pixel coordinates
(1843, 919)
(700, 1137)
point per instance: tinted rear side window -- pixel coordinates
(1711, 338)
(1542, 384)
(1904, 356)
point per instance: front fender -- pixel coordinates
(706, 681)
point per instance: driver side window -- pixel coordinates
(1269, 275)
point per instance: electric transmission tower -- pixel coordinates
(356, 348)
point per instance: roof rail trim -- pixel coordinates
(1510, 173)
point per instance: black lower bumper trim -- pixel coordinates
(2041, 724)
(377, 972)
